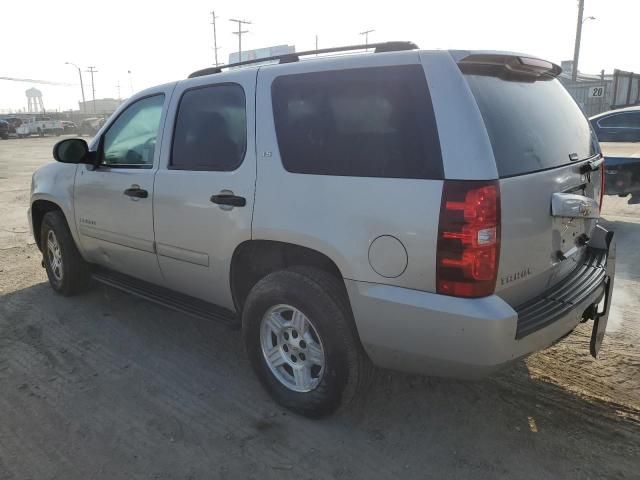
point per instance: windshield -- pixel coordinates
(532, 125)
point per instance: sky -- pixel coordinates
(161, 41)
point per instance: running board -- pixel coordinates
(165, 297)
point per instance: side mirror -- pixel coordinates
(71, 150)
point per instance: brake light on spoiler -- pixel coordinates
(518, 66)
(468, 238)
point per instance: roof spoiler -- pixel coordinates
(518, 66)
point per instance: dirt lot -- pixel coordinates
(109, 386)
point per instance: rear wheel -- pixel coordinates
(67, 271)
(302, 343)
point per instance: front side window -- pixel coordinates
(364, 122)
(211, 129)
(131, 139)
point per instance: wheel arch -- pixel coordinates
(39, 208)
(252, 260)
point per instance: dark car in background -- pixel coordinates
(618, 131)
(90, 126)
(14, 122)
(4, 129)
(621, 125)
(69, 127)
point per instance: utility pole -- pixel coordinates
(239, 33)
(93, 70)
(366, 36)
(316, 44)
(215, 39)
(576, 50)
(84, 106)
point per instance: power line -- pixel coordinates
(239, 33)
(44, 82)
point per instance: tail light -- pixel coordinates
(468, 238)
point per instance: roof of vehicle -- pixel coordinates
(515, 62)
(634, 108)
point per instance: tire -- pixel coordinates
(323, 302)
(73, 275)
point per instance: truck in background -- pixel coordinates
(40, 125)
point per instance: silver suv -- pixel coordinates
(425, 211)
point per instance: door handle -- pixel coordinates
(229, 199)
(136, 192)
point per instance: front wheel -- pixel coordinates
(67, 271)
(301, 341)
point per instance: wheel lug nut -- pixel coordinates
(286, 336)
(303, 344)
(302, 357)
(294, 334)
(294, 359)
(285, 348)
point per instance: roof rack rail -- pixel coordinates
(294, 57)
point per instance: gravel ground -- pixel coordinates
(108, 386)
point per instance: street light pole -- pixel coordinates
(576, 49)
(81, 84)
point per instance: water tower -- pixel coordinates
(34, 101)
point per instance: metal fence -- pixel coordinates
(593, 97)
(626, 89)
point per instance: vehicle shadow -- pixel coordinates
(105, 385)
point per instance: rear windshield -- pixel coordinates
(532, 125)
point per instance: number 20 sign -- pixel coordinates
(596, 92)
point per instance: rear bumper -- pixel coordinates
(433, 334)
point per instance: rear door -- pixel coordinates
(541, 143)
(203, 197)
(349, 164)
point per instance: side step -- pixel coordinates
(168, 298)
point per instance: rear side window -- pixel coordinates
(533, 126)
(211, 129)
(365, 122)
